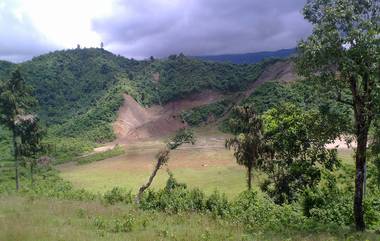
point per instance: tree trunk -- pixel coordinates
(31, 174)
(363, 118)
(162, 158)
(15, 153)
(145, 186)
(249, 178)
(359, 180)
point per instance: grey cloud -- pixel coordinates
(195, 27)
(19, 40)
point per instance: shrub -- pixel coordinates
(218, 204)
(117, 195)
(328, 206)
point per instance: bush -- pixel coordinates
(174, 198)
(218, 204)
(51, 185)
(328, 206)
(117, 195)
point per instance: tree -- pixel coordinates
(183, 136)
(15, 100)
(248, 143)
(297, 154)
(343, 53)
(30, 133)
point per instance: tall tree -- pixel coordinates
(248, 142)
(298, 153)
(343, 53)
(30, 133)
(15, 100)
(183, 136)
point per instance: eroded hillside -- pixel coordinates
(136, 122)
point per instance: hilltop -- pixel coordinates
(249, 58)
(80, 91)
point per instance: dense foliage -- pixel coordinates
(207, 113)
(79, 91)
(249, 58)
(342, 54)
(298, 154)
(249, 141)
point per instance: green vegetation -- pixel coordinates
(16, 102)
(181, 137)
(96, 124)
(297, 154)
(79, 91)
(171, 213)
(248, 143)
(272, 94)
(68, 83)
(203, 114)
(301, 189)
(342, 56)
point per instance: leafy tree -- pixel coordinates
(182, 136)
(15, 101)
(30, 133)
(248, 142)
(343, 53)
(297, 153)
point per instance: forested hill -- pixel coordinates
(70, 83)
(5, 68)
(249, 58)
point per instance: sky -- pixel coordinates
(143, 28)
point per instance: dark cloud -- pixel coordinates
(195, 27)
(19, 40)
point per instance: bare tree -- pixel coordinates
(183, 136)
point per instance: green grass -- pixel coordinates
(227, 179)
(30, 219)
(207, 169)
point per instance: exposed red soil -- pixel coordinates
(135, 122)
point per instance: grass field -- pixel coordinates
(208, 168)
(206, 165)
(29, 219)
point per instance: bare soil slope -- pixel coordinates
(135, 122)
(282, 71)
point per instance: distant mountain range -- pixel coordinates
(248, 58)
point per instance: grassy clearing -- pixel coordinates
(25, 218)
(207, 169)
(207, 166)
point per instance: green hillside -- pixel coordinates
(82, 88)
